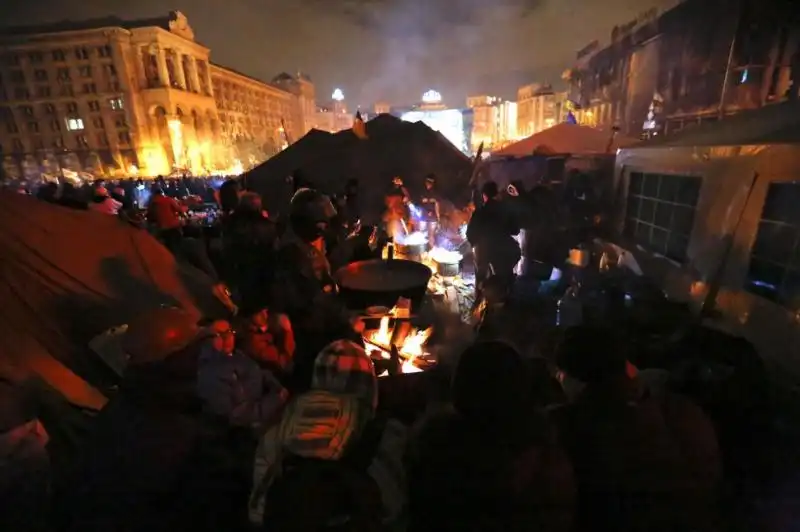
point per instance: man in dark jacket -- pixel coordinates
(151, 463)
(304, 288)
(250, 240)
(490, 232)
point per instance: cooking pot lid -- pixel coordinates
(383, 275)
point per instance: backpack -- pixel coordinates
(313, 495)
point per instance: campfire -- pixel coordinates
(409, 342)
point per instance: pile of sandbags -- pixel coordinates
(392, 148)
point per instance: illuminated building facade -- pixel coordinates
(252, 115)
(110, 96)
(494, 122)
(333, 117)
(305, 111)
(539, 107)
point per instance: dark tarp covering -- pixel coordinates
(393, 148)
(67, 276)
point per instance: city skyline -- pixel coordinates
(385, 50)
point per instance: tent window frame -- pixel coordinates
(660, 212)
(773, 272)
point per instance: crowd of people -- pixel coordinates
(272, 420)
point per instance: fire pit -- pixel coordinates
(407, 341)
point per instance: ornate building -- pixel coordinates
(255, 118)
(126, 96)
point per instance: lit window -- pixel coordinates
(116, 104)
(74, 124)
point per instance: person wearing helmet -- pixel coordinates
(303, 287)
(141, 469)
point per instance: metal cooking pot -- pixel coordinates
(381, 282)
(409, 251)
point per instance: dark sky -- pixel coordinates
(391, 50)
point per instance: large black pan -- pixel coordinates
(381, 282)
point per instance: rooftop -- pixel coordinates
(90, 24)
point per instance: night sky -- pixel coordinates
(390, 50)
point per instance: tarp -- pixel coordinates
(566, 139)
(68, 275)
(393, 148)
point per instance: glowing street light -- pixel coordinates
(337, 95)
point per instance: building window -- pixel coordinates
(59, 55)
(26, 110)
(82, 141)
(120, 123)
(33, 127)
(63, 74)
(94, 105)
(11, 127)
(38, 143)
(40, 74)
(660, 212)
(110, 70)
(104, 51)
(98, 123)
(18, 146)
(85, 71)
(116, 104)
(114, 86)
(102, 140)
(49, 109)
(124, 137)
(89, 88)
(74, 124)
(55, 125)
(66, 90)
(22, 94)
(774, 272)
(16, 76)
(58, 142)
(72, 107)
(81, 53)
(43, 92)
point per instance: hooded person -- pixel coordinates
(303, 287)
(147, 464)
(335, 428)
(642, 462)
(491, 462)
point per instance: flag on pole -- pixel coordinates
(359, 127)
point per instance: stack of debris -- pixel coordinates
(393, 148)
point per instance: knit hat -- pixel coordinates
(343, 367)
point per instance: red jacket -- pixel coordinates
(164, 212)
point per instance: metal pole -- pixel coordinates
(729, 64)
